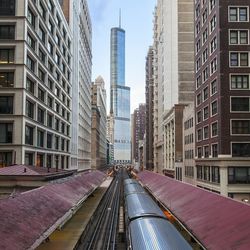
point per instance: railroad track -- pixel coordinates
(102, 232)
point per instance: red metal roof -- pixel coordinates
(29, 170)
(218, 222)
(26, 217)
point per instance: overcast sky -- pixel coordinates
(137, 20)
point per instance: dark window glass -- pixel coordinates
(51, 67)
(63, 128)
(29, 135)
(216, 174)
(40, 115)
(241, 149)
(57, 124)
(41, 75)
(205, 113)
(240, 104)
(31, 41)
(6, 104)
(5, 159)
(49, 140)
(30, 64)
(31, 18)
(50, 84)
(6, 56)
(56, 142)
(50, 102)
(39, 160)
(42, 10)
(243, 59)
(29, 159)
(49, 161)
(239, 81)
(62, 144)
(6, 79)
(29, 109)
(233, 14)
(30, 86)
(42, 56)
(49, 120)
(7, 7)
(6, 132)
(41, 94)
(42, 34)
(215, 150)
(215, 129)
(214, 108)
(40, 138)
(243, 14)
(238, 175)
(7, 32)
(234, 59)
(241, 126)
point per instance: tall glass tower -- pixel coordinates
(119, 97)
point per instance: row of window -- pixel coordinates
(188, 139)
(189, 171)
(45, 140)
(208, 173)
(203, 114)
(47, 160)
(50, 120)
(205, 151)
(202, 4)
(189, 154)
(189, 123)
(7, 7)
(203, 133)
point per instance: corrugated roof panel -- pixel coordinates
(141, 205)
(156, 234)
(218, 222)
(26, 217)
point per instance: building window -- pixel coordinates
(240, 104)
(199, 172)
(199, 150)
(62, 144)
(42, 55)
(214, 108)
(7, 7)
(30, 109)
(50, 84)
(30, 64)
(238, 14)
(238, 37)
(198, 81)
(6, 79)
(29, 131)
(205, 55)
(42, 34)
(31, 41)
(57, 124)
(205, 74)
(204, 16)
(214, 129)
(49, 161)
(51, 6)
(30, 86)
(205, 113)
(49, 140)
(49, 120)
(213, 23)
(213, 87)
(39, 160)
(5, 159)
(206, 151)
(240, 127)
(6, 56)
(238, 175)
(215, 174)
(213, 65)
(199, 116)
(215, 150)
(40, 138)
(7, 32)
(205, 132)
(6, 132)
(41, 94)
(50, 101)
(29, 159)
(239, 81)
(239, 59)
(206, 173)
(56, 142)
(204, 36)
(241, 149)
(199, 134)
(50, 48)
(205, 94)
(41, 75)
(213, 45)
(6, 104)
(31, 18)
(40, 115)
(211, 4)
(42, 10)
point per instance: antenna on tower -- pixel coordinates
(120, 18)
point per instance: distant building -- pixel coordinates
(149, 117)
(138, 128)
(189, 171)
(35, 84)
(174, 67)
(222, 99)
(119, 97)
(81, 83)
(98, 125)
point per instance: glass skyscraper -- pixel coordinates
(119, 97)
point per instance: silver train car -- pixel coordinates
(147, 226)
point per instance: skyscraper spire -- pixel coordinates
(120, 18)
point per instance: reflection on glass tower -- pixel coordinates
(119, 97)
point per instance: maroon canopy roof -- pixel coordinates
(31, 216)
(218, 222)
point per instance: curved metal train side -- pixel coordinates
(147, 226)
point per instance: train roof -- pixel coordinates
(130, 181)
(142, 204)
(133, 188)
(155, 233)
